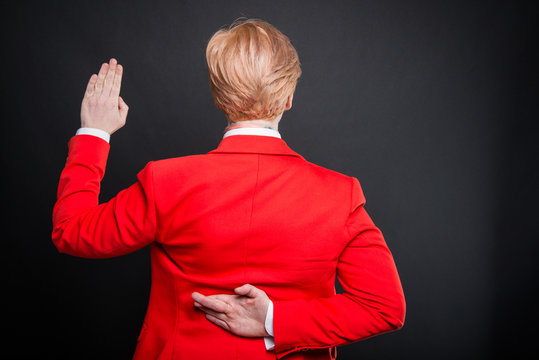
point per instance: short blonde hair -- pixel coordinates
(253, 68)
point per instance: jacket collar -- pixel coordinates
(254, 144)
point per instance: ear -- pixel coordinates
(289, 102)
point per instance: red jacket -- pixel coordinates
(251, 211)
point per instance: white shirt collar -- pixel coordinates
(253, 131)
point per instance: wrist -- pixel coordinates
(95, 132)
(269, 340)
(268, 323)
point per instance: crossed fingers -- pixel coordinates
(215, 304)
(216, 308)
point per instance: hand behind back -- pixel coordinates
(243, 314)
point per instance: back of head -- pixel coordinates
(253, 68)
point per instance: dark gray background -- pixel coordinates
(431, 105)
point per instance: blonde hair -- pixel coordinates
(253, 68)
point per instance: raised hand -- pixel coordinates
(102, 106)
(243, 314)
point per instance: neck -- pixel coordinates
(257, 123)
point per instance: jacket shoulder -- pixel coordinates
(174, 164)
(329, 173)
(348, 184)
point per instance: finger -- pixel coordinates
(217, 322)
(101, 79)
(117, 81)
(231, 301)
(123, 108)
(109, 79)
(246, 290)
(90, 89)
(216, 314)
(228, 299)
(212, 303)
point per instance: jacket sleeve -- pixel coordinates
(83, 227)
(372, 302)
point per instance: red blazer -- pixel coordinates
(251, 211)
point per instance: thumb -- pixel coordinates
(247, 290)
(123, 107)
